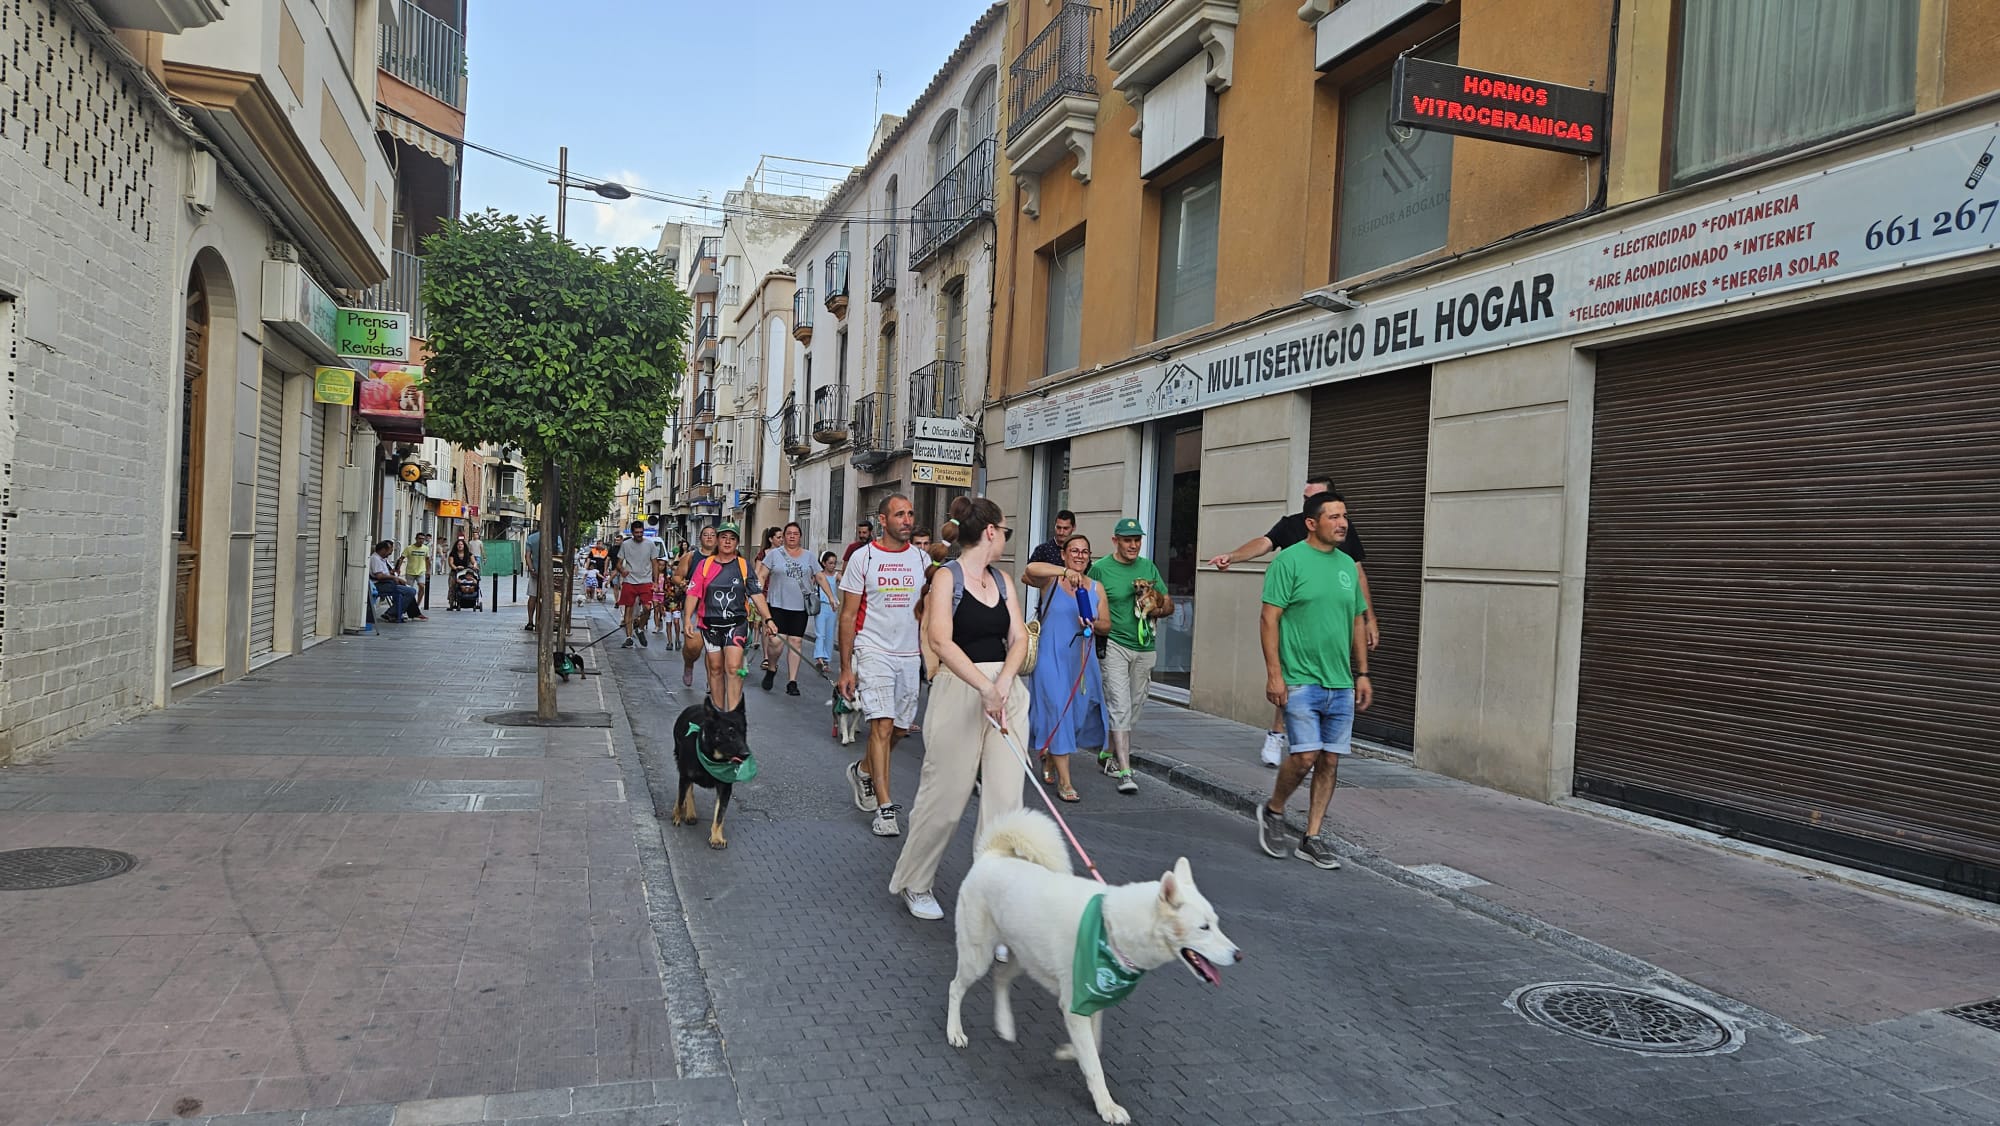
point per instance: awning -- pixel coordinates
(416, 136)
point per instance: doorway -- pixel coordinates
(1174, 454)
(187, 497)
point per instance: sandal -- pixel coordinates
(1048, 771)
(1068, 793)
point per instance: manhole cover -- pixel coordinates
(33, 869)
(1623, 1018)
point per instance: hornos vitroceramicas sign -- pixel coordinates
(1921, 204)
(1496, 107)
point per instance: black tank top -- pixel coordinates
(979, 629)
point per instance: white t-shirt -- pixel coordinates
(888, 583)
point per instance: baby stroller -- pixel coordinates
(465, 589)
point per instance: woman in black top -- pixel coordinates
(972, 621)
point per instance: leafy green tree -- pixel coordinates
(572, 354)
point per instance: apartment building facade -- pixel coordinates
(1654, 359)
(894, 307)
(195, 194)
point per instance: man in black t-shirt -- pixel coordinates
(1287, 531)
(1050, 550)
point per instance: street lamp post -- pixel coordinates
(610, 190)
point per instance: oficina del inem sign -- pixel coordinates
(1497, 107)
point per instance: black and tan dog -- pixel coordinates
(701, 733)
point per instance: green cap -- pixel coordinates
(729, 530)
(1128, 527)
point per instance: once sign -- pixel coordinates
(1496, 107)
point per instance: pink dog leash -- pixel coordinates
(1021, 757)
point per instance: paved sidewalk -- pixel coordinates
(356, 904)
(1817, 953)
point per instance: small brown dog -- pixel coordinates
(1148, 601)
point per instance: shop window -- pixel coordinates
(1760, 77)
(1063, 338)
(1190, 213)
(1395, 181)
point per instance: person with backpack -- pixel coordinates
(691, 648)
(973, 619)
(794, 585)
(719, 598)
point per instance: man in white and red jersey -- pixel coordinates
(880, 661)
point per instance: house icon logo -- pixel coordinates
(1178, 389)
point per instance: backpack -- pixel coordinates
(705, 571)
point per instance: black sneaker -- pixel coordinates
(1271, 835)
(627, 645)
(642, 637)
(770, 678)
(791, 688)
(1315, 852)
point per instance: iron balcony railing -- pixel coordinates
(830, 419)
(961, 197)
(709, 247)
(705, 331)
(401, 291)
(1128, 16)
(933, 393)
(883, 269)
(802, 311)
(427, 53)
(702, 475)
(836, 277)
(794, 429)
(704, 406)
(874, 422)
(1056, 63)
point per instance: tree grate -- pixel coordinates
(1985, 1014)
(38, 869)
(1628, 1019)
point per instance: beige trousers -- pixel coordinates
(959, 748)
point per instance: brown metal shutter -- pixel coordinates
(1792, 605)
(1372, 436)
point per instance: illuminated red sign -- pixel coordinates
(1497, 107)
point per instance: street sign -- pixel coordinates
(931, 473)
(944, 429)
(949, 453)
(372, 334)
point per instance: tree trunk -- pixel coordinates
(568, 523)
(545, 635)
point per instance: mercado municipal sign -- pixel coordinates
(1925, 203)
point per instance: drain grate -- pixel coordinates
(35, 869)
(1617, 1017)
(1985, 1014)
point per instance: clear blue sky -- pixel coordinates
(683, 97)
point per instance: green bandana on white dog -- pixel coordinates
(1099, 977)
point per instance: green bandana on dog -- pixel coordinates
(1099, 978)
(721, 771)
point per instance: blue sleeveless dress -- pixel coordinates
(1064, 651)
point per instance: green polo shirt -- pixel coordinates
(1320, 594)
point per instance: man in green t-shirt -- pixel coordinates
(1316, 669)
(1137, 596)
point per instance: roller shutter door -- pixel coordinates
(309, 512)
(1793, 588)
(264, 559)
(1372, 437)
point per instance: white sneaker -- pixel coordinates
(885, 824)
(1001, 953)
(923, 905)
(1276, 744)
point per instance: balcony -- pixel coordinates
(836, 283)
(1150, 39)
(874, 425)
(707, 275)
(732, 295)
(1342, 30)
(503, 505)
(399, 291)
(883, 269)
(795, 442)
(830, 415)
(704, 408)
(1052, 101)
(960, 198)
(802, 316)
(934, 393)
(704, 336)
(746, 481)
(725, 375)
(424, 51)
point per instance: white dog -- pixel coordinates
(1021, 893)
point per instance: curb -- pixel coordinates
(1237, 798)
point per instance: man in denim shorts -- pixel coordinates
(1316, 669)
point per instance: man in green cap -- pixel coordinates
(720, 593)
(1137, 596)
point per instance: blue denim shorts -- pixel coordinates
(1319, 719)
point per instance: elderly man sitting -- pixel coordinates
(383, 577)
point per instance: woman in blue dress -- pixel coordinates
(826, 628)
(1073, 605)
